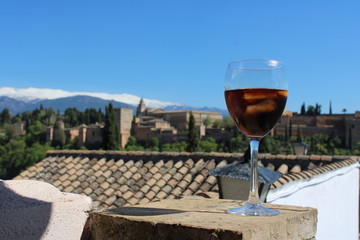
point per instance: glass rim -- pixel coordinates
(280, 63)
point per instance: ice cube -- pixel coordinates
(265, 106)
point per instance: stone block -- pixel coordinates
(199, 218)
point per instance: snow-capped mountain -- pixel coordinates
(36, 94)
(20, 100)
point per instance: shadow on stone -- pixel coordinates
(22, 217)
(141, 211)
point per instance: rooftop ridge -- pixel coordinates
(150, 155)
(306, 174)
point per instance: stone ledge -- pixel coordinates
(37, 210)
(198, 218)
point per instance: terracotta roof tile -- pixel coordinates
(153, 170)
(157, 176)
(155, 188)
(110, 179)
(136, 176)
(188, 177)
(183, 184)
(188, 192)
(150, 195)
(173, 182)
(161, 195)
(132, 201)
(88, 190)
(198, 179)
(63, 170)
(205, 187)
(215, 188)
(193, 186)
(104, 185)
(211, 180)
(124, 188)
(159, 164)
(109, 192)
(178, 164)
(57, 183)
(145, 188)
(295, 169)
(151, 182)
(123, 169)
(178, 176)
(72, 178)
(283, 169)
(110, 200)
(127, 195)
(144, 200)
(75, 184)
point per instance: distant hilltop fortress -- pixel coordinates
(171, 126)
(344, 126)
(147, 123)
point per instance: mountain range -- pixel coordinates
(28, 99)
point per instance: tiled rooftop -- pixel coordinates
(116, 178)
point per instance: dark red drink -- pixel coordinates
(256, 110)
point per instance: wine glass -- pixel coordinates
(255, 95)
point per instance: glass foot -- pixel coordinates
(253, 210)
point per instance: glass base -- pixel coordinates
(253, 210)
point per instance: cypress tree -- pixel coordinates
(330, 109)
(317, 109)
(350, 139)
(299, 134)
(5, 116)
(303, 110)
(193, 136)
(111, 138)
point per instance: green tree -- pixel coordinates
(71, 117)
(217, 124)
(154, 144)
(317, 109)
(91, 115)
(228, 123)
(357, 148)
(310, 110)
(208, 145)
(303, 111)
(111, 138)
(207, 122)
(131, 141)
(193, 136)
(175, 147)
(299, 134)
(290, 129)
(5, 116)
(35, 134)
(238, 144)
(9, 131)
(16, 156)
(286, 133)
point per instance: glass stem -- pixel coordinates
(254, 194)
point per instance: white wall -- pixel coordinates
(336, 196)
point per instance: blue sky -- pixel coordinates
(178, 50)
